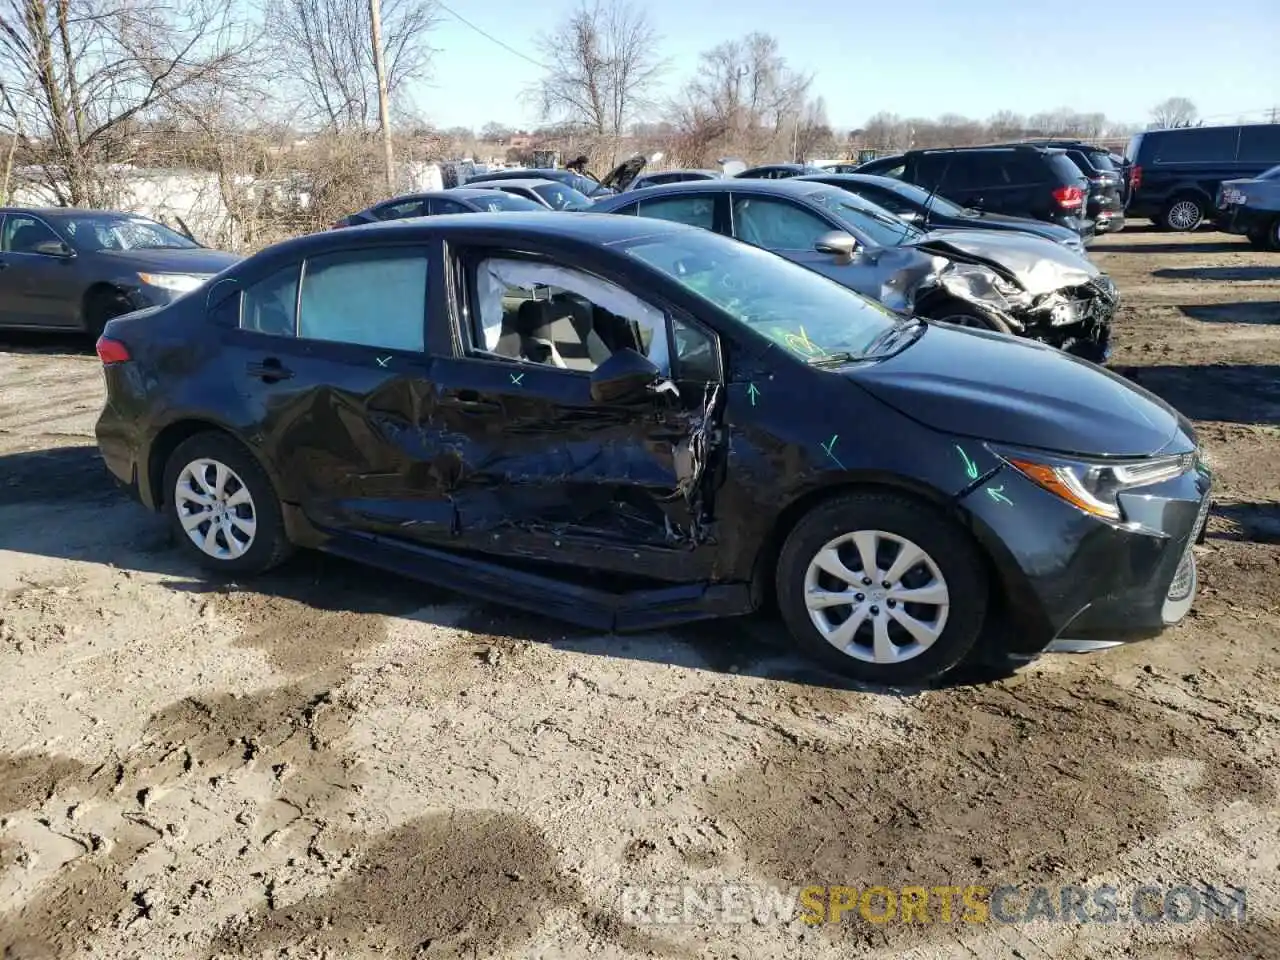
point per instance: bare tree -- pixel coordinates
(813, 133)
(324, 57)
(1174, 112)
(602, 63)
(743, 98)
(77, 78)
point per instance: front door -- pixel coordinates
(535, 467)
(35, 288)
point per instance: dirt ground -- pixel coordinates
(332, 763)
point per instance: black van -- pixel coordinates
(1174, 174)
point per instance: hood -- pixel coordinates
(621, 175)
(1037, 227)
(1011, 390)
(1039, 265)
(194, 260)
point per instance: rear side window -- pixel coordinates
(1260, 144)
(1023, 168)
(1197, 145)
(371, 298)
(959, 171)
(270, 305)
(695, 211)
(1061, 169)
(397, 211)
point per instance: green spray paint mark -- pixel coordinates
(970, 467)
(830, 447)
(753, 391)
(995, 494)
(516, 378)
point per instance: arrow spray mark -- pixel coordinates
(830, 447)
(970, 467)
(753, 391)
(995, 494)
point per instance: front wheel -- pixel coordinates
(967, 315)
(102, 306)
(222, 506)
(883, 588)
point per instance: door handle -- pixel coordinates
(469, 400)
(270, 370)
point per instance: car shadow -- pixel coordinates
(71, 342)
(1217, 273)
(1225, 392)
(1248, 522)
(1245, 311)
(61, 502)
(1209, 246)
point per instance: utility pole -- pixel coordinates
(384, 117)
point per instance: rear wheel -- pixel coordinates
(222, 506)
(1183, 214)
(882, 587)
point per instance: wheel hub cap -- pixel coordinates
(876, 596)
(215, 509)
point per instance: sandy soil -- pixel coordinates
(331, 763)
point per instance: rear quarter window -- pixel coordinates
(1197, 145)
(1260, 144)
(1060, 168)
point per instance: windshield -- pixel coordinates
(1272, 174)
(561, 197)
(936, 203)
(1101, 161)
(98, 232)
(505, 201)
(811, 317)
(873, 225)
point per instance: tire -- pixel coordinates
(259, 549)
(1271, 241)
(101, 306)
(967, 315)
(1183, 214)
(950, 558)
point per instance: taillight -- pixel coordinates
(1069, 197)
(1135, 177)
(112, 351)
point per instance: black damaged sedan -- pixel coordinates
(631, 424)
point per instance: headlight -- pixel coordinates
(1006, 287)
(177, 282)
(1091, 485)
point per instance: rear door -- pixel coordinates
(327, 355)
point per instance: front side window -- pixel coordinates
(533, 311)
(400, 211)
(776, 224)
(23, 234)
(560, 197)
(695, 211)
(447, 206)
(802, 311)
(371, 298)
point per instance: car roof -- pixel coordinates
(518, 182)
(590, 228)
(71, 212)
(870, 179)
(463, 193)
(788, 187)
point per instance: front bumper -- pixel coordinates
(1074, 581)
(1088, 336)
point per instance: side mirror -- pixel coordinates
(838, 244)
(54, 248)
(624, 378)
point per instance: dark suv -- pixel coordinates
(1108, 181)
(1020, 181)
(1174, 175)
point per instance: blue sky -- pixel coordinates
(972, 57)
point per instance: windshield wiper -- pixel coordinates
(832, 359)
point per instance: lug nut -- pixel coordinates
(866, 581)
(875, 611)
(891, 603)
(859, 597)
(885, 584)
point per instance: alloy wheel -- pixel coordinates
(876, 596)
(1184, 215)
(215, 509)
